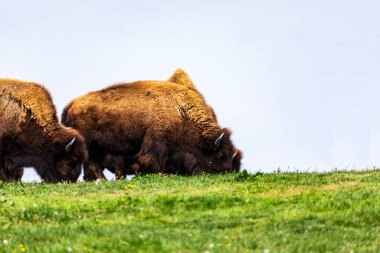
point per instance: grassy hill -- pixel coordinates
(280, 212)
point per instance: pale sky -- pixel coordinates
(296, 81)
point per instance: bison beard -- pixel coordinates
(151, 127)
(31, 136)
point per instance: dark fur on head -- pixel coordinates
(221, 157)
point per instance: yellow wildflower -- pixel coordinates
(22, 247)
(130, 186)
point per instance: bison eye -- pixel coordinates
(221, 156)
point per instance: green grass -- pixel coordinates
(280, 212)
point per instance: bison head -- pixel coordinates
(70, 154)
(219, 154)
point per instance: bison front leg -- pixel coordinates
(191, 165)
(119, 172)
(130, 166)
(93, 171)
(153, 156)
(15, 174)
(3, 177)
(116, 165)
(185, 164)
(128, 169)
(9, 172)
(2, 169)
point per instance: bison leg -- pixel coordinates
(115, 164)
(135, 168)
(185, 164)
(93, 171)
(10, 172)
(119, 171)
(11, 175)
(3, 177)
(15, 174)
(152, 156)
(130, 166)
(47, 175)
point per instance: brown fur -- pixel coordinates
(34, 97)
(181, 77)
(31, 136)
(164, 126)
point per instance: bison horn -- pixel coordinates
(218, 140)
(68, 146)
(234, 155)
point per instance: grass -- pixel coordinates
(279, 212)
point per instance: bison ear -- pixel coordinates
(69, 145)
(181, 77)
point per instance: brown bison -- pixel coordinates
(151, 126)
(31, 136)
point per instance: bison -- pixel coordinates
(31, 135)
(151, 127)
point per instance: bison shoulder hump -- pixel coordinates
(33, 97)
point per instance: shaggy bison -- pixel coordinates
(152, 126)
(31, 136)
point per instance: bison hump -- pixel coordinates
(33, 97)
(181, 77)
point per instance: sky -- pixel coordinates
(296, 81)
